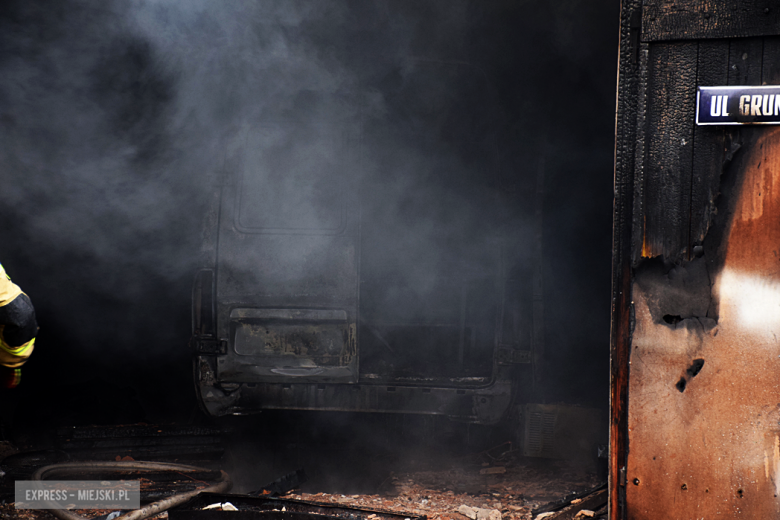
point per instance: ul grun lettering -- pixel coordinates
(759, 105)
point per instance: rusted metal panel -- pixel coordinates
(695, 397)
(697, 19)
(704, 411)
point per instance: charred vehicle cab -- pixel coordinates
(360, 254)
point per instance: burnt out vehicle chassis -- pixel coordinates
(484, 405)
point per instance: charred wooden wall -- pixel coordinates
(695, 399)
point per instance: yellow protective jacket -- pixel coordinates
(17, 323)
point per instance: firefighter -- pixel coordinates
(17, 330)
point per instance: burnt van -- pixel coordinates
(361, 253)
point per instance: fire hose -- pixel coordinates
(68, 468)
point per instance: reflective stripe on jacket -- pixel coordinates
(14, 357)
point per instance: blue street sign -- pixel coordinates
(738, 105)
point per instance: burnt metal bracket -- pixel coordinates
(209, 346)
(511, 356)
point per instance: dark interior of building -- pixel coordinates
(460, 151)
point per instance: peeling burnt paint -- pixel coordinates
(678, 292)
(704, 398)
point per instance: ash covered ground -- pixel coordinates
(409, 465)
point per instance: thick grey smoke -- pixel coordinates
(117, 118)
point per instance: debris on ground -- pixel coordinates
(496, 484)
(586, 506)
(464, 493)
(282, 485)
(493, 471)
(478, 513)
(224, 506)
